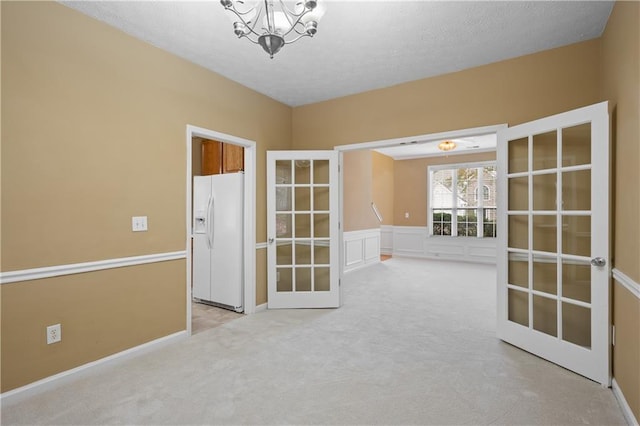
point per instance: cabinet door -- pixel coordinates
(211, 158)
(232, 158)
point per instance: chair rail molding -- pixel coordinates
(626, 282)
(78, 268)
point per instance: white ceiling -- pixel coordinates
(360, 45)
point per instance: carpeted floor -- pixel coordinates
(414, 343)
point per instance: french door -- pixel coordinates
(554, 266)
(302, 229)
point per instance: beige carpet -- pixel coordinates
(414, 343)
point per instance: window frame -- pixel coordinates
(486, 196)
(480, 201)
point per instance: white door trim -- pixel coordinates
(452, 134)
(249, 213)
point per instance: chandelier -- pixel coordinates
(273, 23)
(446, 145)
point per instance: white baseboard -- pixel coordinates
(626, 410)
(19, 394)
(261, 308)
(361, 266)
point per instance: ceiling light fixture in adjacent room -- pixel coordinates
(273, 23)
(446, 145)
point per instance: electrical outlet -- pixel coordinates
(54, 334)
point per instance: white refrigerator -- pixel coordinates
(218, 239)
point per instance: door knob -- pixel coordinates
(270, 240)
(598, 261)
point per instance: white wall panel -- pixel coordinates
(415, 241)
(409, 240)
(372, 247)
(361, 248)
(354, 252)
(386, 239)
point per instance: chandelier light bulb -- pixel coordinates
(239, 29)
(274, 23)
(311, 28)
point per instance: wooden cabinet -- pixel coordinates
(232, 158)
(211, 158)
(218, 157)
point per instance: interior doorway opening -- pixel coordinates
(195, 138)
(378, 222)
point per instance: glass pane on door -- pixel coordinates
(302, 225)
(549, 245)
(554, 218)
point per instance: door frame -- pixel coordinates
(386, 143)
(249, 250)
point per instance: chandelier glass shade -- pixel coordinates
(274, 23)
(446, 145)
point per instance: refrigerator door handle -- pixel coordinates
(209, 228)
(211, 219)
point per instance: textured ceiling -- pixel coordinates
(360, 45)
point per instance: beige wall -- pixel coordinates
(512, 92)
(93, 133)
(358, 191)
(261, 277)
(101, 313)
(621, 84)
(410, 182)
(382, 185)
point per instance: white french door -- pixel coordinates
(302, 229)
(553, 258)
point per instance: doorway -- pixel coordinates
(249, 213)
(376, 224)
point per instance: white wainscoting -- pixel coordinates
(386, 239)
(414, 241)
(361, 248)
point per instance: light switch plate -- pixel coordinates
(139, 223)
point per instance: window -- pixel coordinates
(486, 193)
(456, 207)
